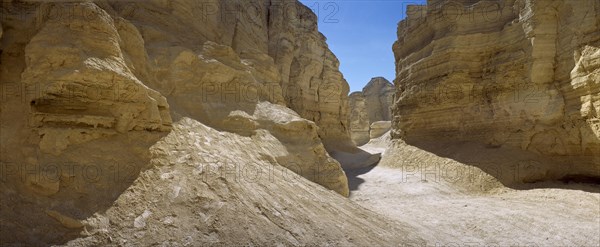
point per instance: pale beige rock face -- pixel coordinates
(379, 94)
(507, 73)
(369, 106)
(116, 68)
(359, 119)
(83, 77)
(311, 82)
(379, 128)
(88, 88)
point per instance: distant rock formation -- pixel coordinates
(377, 129)
(370, 106)
(359, 118)
(518, 73)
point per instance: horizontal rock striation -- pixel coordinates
(112, 67)
(88, 87)
(519, 73)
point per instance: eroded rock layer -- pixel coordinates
(520, 73)
(88, 87)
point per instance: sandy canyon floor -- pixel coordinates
(487, 214)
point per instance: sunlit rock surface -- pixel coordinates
(370, 105)
(506, 73)
(89, 87)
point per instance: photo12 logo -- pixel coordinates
(327, 12)
(452, 11)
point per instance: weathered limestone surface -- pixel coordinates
(518, 73)
(111, 67)
(359, 118)
(379, 128)
(89, 87)
(370, 106)
(379, 94)
(311, 82)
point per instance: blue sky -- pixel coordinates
(361, 34)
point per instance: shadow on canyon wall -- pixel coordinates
(43, 204)
(516, 168)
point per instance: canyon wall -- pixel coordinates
(370, 105)
(76, 72)
(89, 87)
(515, 73)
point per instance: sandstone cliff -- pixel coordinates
(109, 68)
(370, 105)
(89, 87)
(512, 73)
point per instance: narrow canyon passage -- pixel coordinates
(489, 214)
(239, 123)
